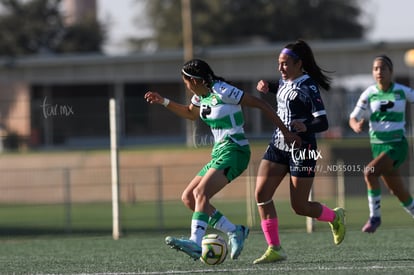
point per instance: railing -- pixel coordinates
(79, 199)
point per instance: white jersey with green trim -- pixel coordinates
(221, 110)
(387, 119)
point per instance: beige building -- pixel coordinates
(63, 100)
(76, 10)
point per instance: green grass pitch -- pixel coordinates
(389, 251)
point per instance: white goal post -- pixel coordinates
(113, 129)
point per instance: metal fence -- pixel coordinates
(155, 188)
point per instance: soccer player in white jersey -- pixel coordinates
(219, 105)
(301, 109)
(387, 102)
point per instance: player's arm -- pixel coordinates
(266, 108)
(266, 87)
(317, 125)
(356, 120)
(185, 111)
(409, 94)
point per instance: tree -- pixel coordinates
(218, 22)
(86, 36)
(37, 26)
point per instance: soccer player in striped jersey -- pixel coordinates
(301, 109)
(387, 102)
(219, 105)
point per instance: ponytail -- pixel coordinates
(304, 53)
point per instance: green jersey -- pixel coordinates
(221, 110)
(387, 119)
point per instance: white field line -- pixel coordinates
(275, 268)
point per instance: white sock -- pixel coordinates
(198, 230)
(374, 204)
(224, 225)
(410, 209)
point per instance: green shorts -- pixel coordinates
(230, 157)
(397, 151)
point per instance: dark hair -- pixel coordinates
(199, 69)
(303, 52)
(386, 60)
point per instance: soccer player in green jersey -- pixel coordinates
(387, 101)
(219, 105)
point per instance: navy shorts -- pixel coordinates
(301, 162)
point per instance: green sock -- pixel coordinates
(220, 222)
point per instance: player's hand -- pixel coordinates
(298, 126)
(262, 86)
(357, 126)
(153, 98)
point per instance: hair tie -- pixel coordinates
(190, 75)
(290, 53)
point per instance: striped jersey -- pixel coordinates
(221, 110)
(387, 118)
(297, 99)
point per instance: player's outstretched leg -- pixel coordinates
(236, 240)
(338, 225)
(272, 254)
(187, 246)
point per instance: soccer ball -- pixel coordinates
(213, 249)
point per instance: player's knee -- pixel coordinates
(369, 172)
(187, 199)
(300, 209)
(199, 196)
(261, 196)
